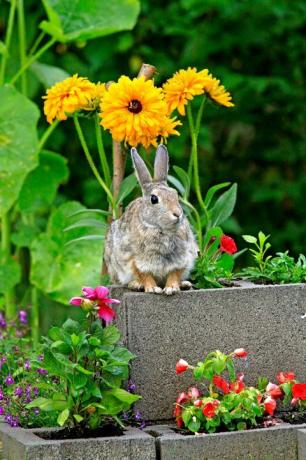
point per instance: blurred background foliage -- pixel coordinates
(257, 49)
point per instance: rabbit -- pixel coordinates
(152, 247)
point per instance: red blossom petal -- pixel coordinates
(181, 366)
(101, 292)
(240, 353)
(270, 405)
(220, 383)
(198, 403)
(227, 244)
(210, 408)
(284, 377)
(274, 391)
(89, 293)
(237, 386)
(299, 391)
(182, 398)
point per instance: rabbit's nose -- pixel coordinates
(177, 214)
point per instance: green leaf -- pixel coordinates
(123, 395)
(78, 417)
(226, 261)
(90, 211)
(10, 275)
(85, 238)
(177, 184)
(60, 270)
(212, 191)
(87, 223)
(231, 370)
(75, 339)
(194, 425)
(186, 416)
(127, 186)
(3, 49)
(48, 75)
(184, 178)
(250, 239)
(18, 143)
(223, 207)
(71, 326)
(40, 187)
(110, 335)
(24, 235)
(55, 333)
(81, 369)
(83, 19)
(63, 416)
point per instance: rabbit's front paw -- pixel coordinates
(136, 286)
(185, 285)
(154, 289)
(170, 290)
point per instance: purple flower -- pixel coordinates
(1, 395)
(14, 423)
(27, 365)
(2, 410)
(125, 416)
(143, 425)
(8, 418)
(36, 411)
(23, 317)
(3, 360)
(9, 380)
(131, 386)
(2, 321)
(138, 416)
(42, 371)
(18, 391)
(40, 357)
(36, 391)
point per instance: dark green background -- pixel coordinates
(258, 50)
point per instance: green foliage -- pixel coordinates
(18, 144)
(281, 268)
(85, 20)
(90, 368)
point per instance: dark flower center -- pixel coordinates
(135, 106)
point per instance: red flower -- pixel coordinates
(294, 401)
(181, 366)
(274, 391)
(193, 393)
(98, 295)
(220, 383)
(177, 414)
(198, 403)
(210, 408)
(240, 353)
(299, 391)
(270, 405)
(237, 386)
(284, 377)
(227, 244)
(182, 398)
(179, 422)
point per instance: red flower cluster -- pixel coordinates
(210, 408)
(181, 366)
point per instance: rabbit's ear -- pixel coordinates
(142, 173)
(161, 164)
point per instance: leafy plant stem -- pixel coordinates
(35, 316)
(198, 219)
(36, 43)
(10, 309)
(32, 59)
(92, 165)
(47, 134)
(22, 44)
(101, 151)
(8, 37)
(194, 154)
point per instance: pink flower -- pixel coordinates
(240, 353)
(76, 301)
(270, 405)
(210, 408)
(181, 366)
(274, 391)
(198, 403)
(294, 401)
(193, 393)
(99, 295)
(182, 398)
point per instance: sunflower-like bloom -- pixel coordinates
(134, 111)
(68, 96)
(183, 86)
(168, 128)
(217, 92)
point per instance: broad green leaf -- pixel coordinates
(123, 395)
(83, 370)
(55, 333)
(85, 238)
(59, 269)
(211, 192)
(223, 207)
(78, 417)
(10, 275)
(24, 234)
(40, 187)
(177, 184)
(186, 416)
(63, 416)
(184, 178)
(87, 19)
(71, 326)
(110, 335)
(3, 49)
(90, 211)
(226, 261)
(194, 425)
(48, 75)
(127, 186)
(87, 223)
(250, 239)
(18, 143)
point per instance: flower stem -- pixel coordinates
(7, 42)
(35, 316)
(22, 44)
(32, 59)
(101, 151)
(47, 134)
(37, 42)
(10, 309)
(194, 154)
(91, 162)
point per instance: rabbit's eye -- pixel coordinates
(154, 199)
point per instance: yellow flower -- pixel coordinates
(68, 96)
(133, 111)
(100, 90)
(217, 92)
(182, 87)
(168, 128)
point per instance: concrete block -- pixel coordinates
(275, 443)
(25, 444)
(266, 320)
